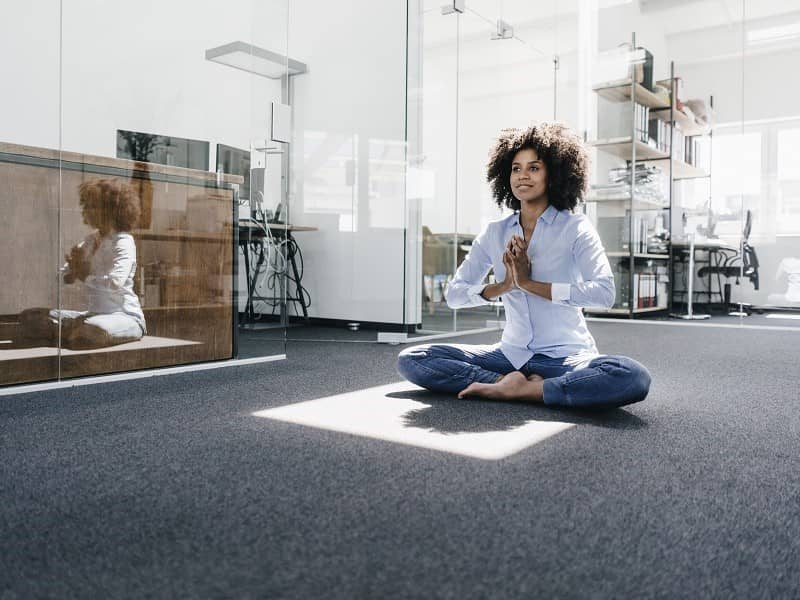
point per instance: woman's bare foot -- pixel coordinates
(514, 386)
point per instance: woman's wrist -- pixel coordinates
(493, 291)
(536, 288)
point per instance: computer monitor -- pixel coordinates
(235, 161)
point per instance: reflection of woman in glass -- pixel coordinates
(548, 262)
(106, 263)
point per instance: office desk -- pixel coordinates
(717, 251)
(253, 233)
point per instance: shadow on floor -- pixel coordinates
(446, 414)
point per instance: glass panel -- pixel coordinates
(267, 256)
(163, 149)
(498, 43)
(690, 108)
(29, 193)
(769, 236)
(348, 168)
(435, 171)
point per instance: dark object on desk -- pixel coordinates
(236, 161)
(276, 217)
(742, 264)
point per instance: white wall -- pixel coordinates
(29, 45)
(348, 155)
(138, 66)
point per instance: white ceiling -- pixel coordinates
(672, 17)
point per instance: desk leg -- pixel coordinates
(249, 304)
(292, 245)
(255, 279)
(690, 314)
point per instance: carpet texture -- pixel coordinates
(169, 487)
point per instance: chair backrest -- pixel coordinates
(750, 262)
(748, 225)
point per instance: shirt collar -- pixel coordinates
(548, 216)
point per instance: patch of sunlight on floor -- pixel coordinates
(382, 413)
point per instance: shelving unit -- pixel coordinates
(635, 224)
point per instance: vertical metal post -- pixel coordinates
(455, 188)
(711, 200)
(631, 259)
(60, 280)
(690, 291)
(690, 315)
(286, 98)
(556, 65)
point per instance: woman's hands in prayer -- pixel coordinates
(518, 270)
(77, 265)
(517, 262)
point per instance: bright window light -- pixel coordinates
(773, 34)
(736, 164)
(788, 152)
(391, 413)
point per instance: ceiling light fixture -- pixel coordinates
(253, 59)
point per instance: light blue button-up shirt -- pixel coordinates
(565, 251)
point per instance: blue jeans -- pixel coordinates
(587, 381)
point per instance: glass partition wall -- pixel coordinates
(348, 169)
(716, 153)
(485, 66)
(761, 218)
(436, 165)
(135, 176)
(730, 186)
(29, 241)
(285, 170)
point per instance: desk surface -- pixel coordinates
(704, 245)
(178, 235)
(275, 226)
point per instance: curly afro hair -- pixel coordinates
(558, 147)
(114, 200)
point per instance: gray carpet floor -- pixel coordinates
(169, 487)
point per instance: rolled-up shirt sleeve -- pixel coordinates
(465, 289)
(597, 287)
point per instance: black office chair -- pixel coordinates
(742, 264)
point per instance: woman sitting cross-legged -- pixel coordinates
(105, 263)
(548, 262)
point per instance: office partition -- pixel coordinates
(122, 240)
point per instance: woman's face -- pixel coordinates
(528, 176)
